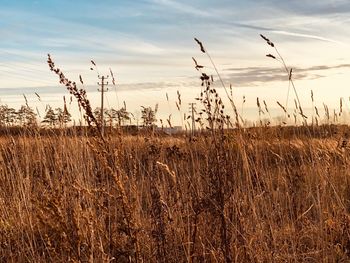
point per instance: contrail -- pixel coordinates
(306, 36)
(282, 32)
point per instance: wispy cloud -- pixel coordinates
(183, 8)
(57, 89)
(286, 33)
(252, 76)
(240, 76)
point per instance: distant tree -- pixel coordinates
(8, 116)
(110, 116)
(21, 115)
(97, 114)
(113, 116)
(3, 112)
(50, 117)
(26, 116)
(11, 116)
(122, 115)
(148, 115)
(63, 116)
(117, 116)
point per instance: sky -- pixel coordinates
(149, 46)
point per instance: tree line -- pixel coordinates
(26, 116)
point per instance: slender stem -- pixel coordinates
(222, 82)
(287, 97)
(291, 81)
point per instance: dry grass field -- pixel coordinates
(224, 194)
(249, 195)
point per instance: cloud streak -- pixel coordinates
(182, 8)
(248, 76)
(286, 33)
(253, 76)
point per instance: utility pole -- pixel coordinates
(192, 111)
(102, 90)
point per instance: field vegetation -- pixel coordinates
(225, 193)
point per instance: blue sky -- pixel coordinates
(149, 45)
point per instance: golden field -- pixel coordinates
(268, 194)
